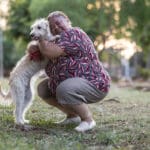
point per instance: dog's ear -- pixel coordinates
(44, 23)
(47, 26)
(47, 23)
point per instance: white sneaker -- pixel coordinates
(73, 120)
(84, 126)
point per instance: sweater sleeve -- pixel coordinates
(71, 42)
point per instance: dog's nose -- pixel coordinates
(31, 35)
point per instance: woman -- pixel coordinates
(76, 77)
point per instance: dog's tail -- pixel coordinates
(5, 98)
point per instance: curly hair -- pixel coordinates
(59, 14)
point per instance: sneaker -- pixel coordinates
(84, 126)
(73, 120)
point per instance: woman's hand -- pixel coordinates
(34, 51)
(50, 50)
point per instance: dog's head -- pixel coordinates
(40, 29)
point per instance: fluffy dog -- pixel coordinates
(20, 77)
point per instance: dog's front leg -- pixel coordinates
(54, 37)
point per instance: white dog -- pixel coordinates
(20, 77)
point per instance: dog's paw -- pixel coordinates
(26, 121)
(53, 38)
(57, 36)
(24, 127)
(19, 122)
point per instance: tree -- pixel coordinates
(135, 17)
(19, 19)
(99, 18)
(75, 9)
(17, 34)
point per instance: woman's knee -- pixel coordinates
(42, 89)
(61, 91)
(65, 90)
(67, 93)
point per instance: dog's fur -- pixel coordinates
(20, 77)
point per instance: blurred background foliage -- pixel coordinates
(99, 18)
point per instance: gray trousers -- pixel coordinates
(72, 91)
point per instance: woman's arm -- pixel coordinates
(50, 50)
(33, 51)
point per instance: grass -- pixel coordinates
(123, 126)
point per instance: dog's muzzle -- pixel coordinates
(33, 37)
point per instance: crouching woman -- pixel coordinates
(76, 77)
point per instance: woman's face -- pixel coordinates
(58, 24)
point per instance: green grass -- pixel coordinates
(124, 125)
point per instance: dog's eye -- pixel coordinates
(39, 27)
